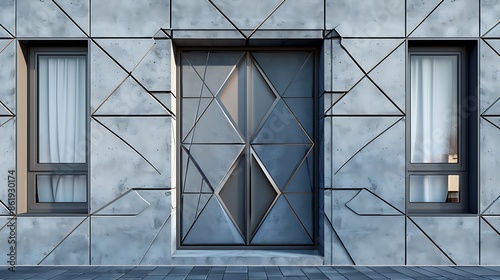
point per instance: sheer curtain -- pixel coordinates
(61, 125)
(433, 122)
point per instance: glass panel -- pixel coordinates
(434, 104)
(61, 109)
(61, 188)
(434, 188)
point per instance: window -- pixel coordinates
(246, 148)
(440, 132)
(58, 153)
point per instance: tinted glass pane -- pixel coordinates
(434, 104)
(61, 109)
(434, 188)
(61, 188)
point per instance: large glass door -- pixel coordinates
(246, 148)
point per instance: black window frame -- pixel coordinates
(466, 168)
(34, 167)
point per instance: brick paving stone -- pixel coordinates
(288, 271)
(479, 271)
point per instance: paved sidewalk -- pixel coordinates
(251, 272)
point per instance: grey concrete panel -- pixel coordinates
(366, 203)
(490, 241)
(420, 249)
(370, 240)
(490, 15)
(38, 236)
(286, 34)
(78, 11)
(489, 79)
(129, 18)
(115, 167)
(378, 167)
(213, 226)
(281, 226)
(351, 134)
(417, 11)
(105, 76)
(390, 76)
(327, 153)
(8, 74)
(245, 14)
(130, 204)
(461, 241)
(326, 61)
(345, 73)
(366, 18)
(127, 52)
(6, 227)
(8, 16)
(153, 72)
(297, 14)
(364, 99)
(198, 14)
(489, 177)
(126, 240)
(74, 250)
(369, 52)
(210, 34)
(8, 162)
(138, 133)
(131, 99)
(493, 33)
(215, 160)
(452, 18)
(160, 251)
(44, 19)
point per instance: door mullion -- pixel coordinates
(248, 153)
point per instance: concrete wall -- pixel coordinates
(363, 218)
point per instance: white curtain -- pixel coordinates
(61, 121)
(62, 188)
(433, 121)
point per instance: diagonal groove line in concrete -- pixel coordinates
(265, 19)
(385, 130)
(58, 244)
(228, 19)
(123, 140)
(428, 15)
(433, 242)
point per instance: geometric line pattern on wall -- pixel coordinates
(4, 209)
(130, 203)
(72, 242)
(369, 52)
(128, 144)
(368, 239)
(418, 11)
(244, 16)
(241, 131)
(461, 241)
(377, 167)
(389, 76)
(365, 99)
(4, 33)
(8, 17)
(156, 251)
(489, 65)
(77, 11)
(421, 249)
(455, 18)
(494, 32)
(365, 203)
(33, 14)
(8, 79)
(489, 18)
(490, 240)
(352, 134)
(127, 52)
